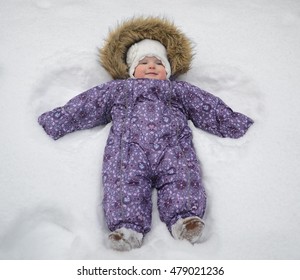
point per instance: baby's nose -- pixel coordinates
(151, 65)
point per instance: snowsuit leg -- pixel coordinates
(127, 188)
(180, 190)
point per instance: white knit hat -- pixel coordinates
(145, 48)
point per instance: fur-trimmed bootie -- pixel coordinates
(190, 228)
(124, 239)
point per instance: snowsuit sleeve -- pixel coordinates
(211, 114)
(86, 110)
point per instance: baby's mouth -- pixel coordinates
(151, 73)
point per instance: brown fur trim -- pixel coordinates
(113, 53)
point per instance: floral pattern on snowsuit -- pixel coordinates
(149, 145)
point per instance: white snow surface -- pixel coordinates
(247, 53)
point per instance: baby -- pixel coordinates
(160, 166)
(149, 145)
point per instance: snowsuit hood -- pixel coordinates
(129, 32)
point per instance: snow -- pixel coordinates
(247, 54)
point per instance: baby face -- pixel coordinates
(150, 68)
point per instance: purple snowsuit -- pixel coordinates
(149, 145)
